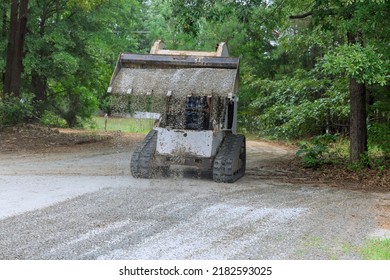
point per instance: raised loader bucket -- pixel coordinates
(143, 82)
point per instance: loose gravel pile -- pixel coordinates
(180, 82)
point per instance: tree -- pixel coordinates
(15, 48)
(70, 50)
(351, 58)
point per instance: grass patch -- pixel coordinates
(124, 124)
(377, 249)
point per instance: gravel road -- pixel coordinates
(86, 205)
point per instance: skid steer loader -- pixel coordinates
(192, 97)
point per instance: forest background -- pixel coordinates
(309, 69)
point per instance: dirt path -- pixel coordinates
(73, 198)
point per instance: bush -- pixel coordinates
(379, 136)
(50, 119)
(316, 152)
(74, 105)
(14, 110)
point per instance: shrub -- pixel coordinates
(379, 136)
(14, 110)
(316, 152)
(50, 119)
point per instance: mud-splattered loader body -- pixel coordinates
(192, 96)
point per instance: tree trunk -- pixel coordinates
(4, 6)
(358, 122)
(15, 47)
(39, 86)
(38, 82)
(3, 35)
(10, 47)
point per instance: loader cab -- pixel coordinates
(200, 113)
(197, 112)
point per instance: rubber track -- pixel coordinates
(229, 151)
(141, 164)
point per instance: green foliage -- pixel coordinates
(364, 64)
(74, 104)
(332, 149)
(299, 106)
(350, 2)
(379, 135)
(86, 5)
(376, 249)
(361, 164)
(316, 152)
(379, 121)
(50, 119)
(71, 53)
(14, 110)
